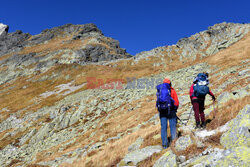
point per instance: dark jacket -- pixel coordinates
(192, 97)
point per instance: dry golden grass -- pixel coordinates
(123, 70)
(233, 55)
(227, 112)
(119, 122)
(43, 156)
(112, 152)
(240, 83)
(214, 140)
(190, 151)
(52, 45)
(149, 140)
(150, 161)
(193, 150)
(99, 72)
(14, 162)
(4, 133)
(60, 43)
(36, 165)
(12, 139)
(19, 98)
(6, 56)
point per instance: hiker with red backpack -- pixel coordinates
(198, 92)
(167, 104)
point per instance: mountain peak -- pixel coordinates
(80, 44)
(3, 29)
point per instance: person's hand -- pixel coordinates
(213, 97)
(175, 108)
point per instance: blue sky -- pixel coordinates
(139, 25)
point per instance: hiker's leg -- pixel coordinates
(201, 108)
(172, 122)
(164, 125)
(196, 111)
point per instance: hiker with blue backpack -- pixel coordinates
(198, 92)
(167, 104)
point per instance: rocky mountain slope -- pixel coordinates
(72, 97)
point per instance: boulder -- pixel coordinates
(183, 142)
(136, 145)
(95, 146)
(28, 136)
(238, 133)
(137, 156)
(42, 133)
(75, 117)
(167, 160)
(182, 158)
(65, 121)
(226, 96)
(238, 156)
(244, 72)
(209, 157)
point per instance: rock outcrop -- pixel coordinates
(14, 42)
(3, 29)
(235, 141)
(183, 142)
(201, 44)
(67, 44)
(139, 155)
(167, 160)
(238, 133)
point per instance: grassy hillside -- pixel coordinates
(49, 116)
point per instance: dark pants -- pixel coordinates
(198, 106)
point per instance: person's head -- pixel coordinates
(166, 80)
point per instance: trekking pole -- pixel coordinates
(189, 115)
(180, 120)
(214, 109)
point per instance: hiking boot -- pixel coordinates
(165, 146)
(203, 125)
(198, 126)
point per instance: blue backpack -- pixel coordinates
(201, 88)
(164, 99)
